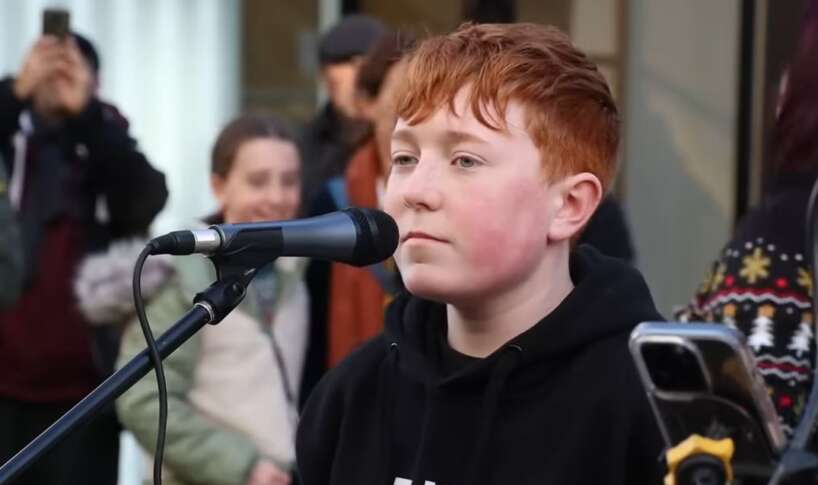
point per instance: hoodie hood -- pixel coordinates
(609, 298)
(559, 403)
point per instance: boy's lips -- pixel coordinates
(421, 235)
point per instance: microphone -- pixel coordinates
(359, 237)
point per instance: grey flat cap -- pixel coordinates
(352, 36)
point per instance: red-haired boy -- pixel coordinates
(507, 360)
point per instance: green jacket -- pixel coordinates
(11, 251)
(203, 445)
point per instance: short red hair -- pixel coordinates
(571, 115)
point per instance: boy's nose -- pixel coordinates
(422, 190)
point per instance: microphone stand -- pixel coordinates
(210, 306)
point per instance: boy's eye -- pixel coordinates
(403, 160)
(466, 162)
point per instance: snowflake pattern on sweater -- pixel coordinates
(764, 291)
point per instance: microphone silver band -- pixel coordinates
(207, 240)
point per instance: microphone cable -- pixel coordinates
(153, 353)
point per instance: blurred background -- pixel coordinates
(695, 81)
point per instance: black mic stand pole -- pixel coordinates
(211, 306)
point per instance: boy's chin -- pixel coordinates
(437, 289)
(427, 288)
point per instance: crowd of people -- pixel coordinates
(489, 349)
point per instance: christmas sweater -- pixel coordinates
(762, 286)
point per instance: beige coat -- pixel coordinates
(227, 401)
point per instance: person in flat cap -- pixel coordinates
(328, 139)
(327, 144)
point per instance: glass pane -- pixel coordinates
(594, 26)
(279, 61)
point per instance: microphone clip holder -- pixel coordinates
(241, 264)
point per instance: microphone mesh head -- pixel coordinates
(377, 236)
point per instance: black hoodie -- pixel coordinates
(559, 404)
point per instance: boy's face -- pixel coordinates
(472, 205)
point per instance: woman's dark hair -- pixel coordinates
(389, 49)
(239, 131)
(795, 136)
(88, 51)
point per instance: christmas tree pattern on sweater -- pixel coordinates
(764, 291)
(761, 335)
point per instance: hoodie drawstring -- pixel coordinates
(491, 398)
(387, 403)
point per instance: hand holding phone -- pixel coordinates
(74, 81)
(46, 56)
(701, 379)
(40, 64)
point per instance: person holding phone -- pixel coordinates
(761, 283)
(78, 181)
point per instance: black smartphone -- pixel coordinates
(701, 379)
(56, 22)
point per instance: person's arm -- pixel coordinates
(11, 250)
(134, 191)
(39, 64)
(196, 449)
(10, 109)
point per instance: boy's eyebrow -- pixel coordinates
(453, 137)
(449, 137)
(404, 135)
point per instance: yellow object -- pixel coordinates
(698, 445)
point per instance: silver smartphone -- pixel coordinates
(701, 379)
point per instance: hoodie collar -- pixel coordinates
(609, 298)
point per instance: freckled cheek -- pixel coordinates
(393, 196)
(500, 237)
(391, 205)
(483, 238)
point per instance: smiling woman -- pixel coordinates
(255, 172)
(233, 386)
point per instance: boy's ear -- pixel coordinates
(579, 196)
